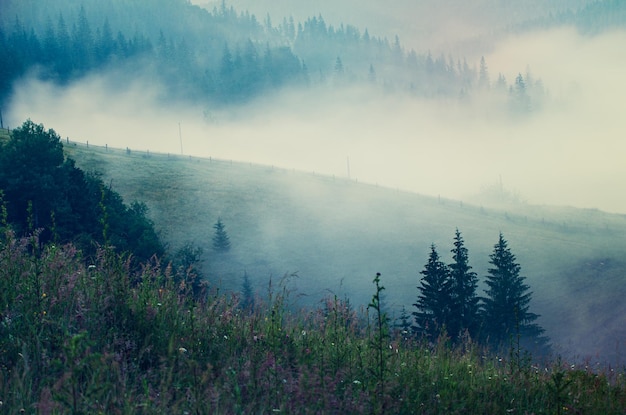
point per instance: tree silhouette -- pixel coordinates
(506, 307)
(465, 309)
(247, 301)
(221, 241)
(434, 301)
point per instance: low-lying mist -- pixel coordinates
(568, 153)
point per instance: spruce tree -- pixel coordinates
(221, 241)
(247, 293)
(506, 312)
(464, 316)
(434, 301)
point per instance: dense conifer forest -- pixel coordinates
(225, 56)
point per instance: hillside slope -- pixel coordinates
(336, 234)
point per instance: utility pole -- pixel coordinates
(180, 136)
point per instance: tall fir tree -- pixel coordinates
(506, 307)
(464, 318)
(483, 74)
(221, 241)
(434, 301)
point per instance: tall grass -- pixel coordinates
(89, 338)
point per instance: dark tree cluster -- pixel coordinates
(448, 302)
(217, 55)
(44, 190)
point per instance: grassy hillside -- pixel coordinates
(336, 234)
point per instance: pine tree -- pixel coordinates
(465, 308)
(483, 74)
(221, 241)
(338, 67)
(247, 301)
(434, 301)
(506, 308)
(372, 74)
(520, 100)
(404, 322)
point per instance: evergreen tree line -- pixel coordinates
(448, 303)
(218, 56)
(594, 18)
(43, 191)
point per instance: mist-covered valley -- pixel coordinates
(349, 166)
(567, 151)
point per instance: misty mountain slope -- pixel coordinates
(336, 234)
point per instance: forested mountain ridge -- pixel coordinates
(221, 55)
(460, 27)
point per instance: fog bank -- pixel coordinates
(569, 153)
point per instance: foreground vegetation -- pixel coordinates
(96, 337)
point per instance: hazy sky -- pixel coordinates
(571, 153)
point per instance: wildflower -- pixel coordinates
(182, 350)
(44, 295)
(225, 337)
(304, 332)
(356, 382)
